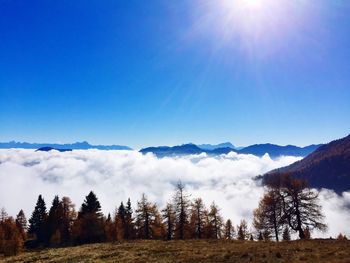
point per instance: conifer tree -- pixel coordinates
(3, 214)
(37, 222)
(89, 228)
(68, 217)
(269, 215)
(144, 218)
(197, 220)
(215, 220)
(54, 222)
(169, 219)
(229, 230)
(286, 234)
(242, 230)
(181, 205)
(300, 204)
(121, 221)
(129, 224)
(21, 223)
(11, 240)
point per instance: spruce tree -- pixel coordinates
(37, 222)
(91, 205)
(129, 225)
(90, 223)
(121, 221)
(54, 221)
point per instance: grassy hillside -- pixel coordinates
(195, 251)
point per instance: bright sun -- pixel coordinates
(245, 5)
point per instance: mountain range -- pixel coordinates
(185, 149)
(327, 167)
(257, 149)
(72, 146)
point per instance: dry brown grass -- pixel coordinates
(195, 251)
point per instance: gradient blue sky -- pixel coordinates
(143, 73)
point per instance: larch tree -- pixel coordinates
(286, 234)
(229, 231)
(197, 218)
(181, 205)
(147, 219)
(268, 217)
(242, 230)
(215, 220)
(300, 206)
(168, 215)
(11, 239)
(68, 217)
(21, 223)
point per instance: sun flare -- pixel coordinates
(243, 5)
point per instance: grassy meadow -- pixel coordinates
(195, 251)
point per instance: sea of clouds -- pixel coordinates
(116, 175)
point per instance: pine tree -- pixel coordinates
(37, 222)
(286, 234)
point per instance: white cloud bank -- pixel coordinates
(116, 175)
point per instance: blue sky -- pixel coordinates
(142, 73)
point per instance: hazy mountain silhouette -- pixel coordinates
(258, 150)
(47, 149)
(184, 149)
(277, 150)
(74, 146)
(216, 146)
(327, 167)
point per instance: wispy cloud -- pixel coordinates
(117, 175)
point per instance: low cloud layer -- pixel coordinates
(116, 175)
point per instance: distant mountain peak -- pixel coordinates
(84, 145)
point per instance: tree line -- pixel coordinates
(288, 205)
